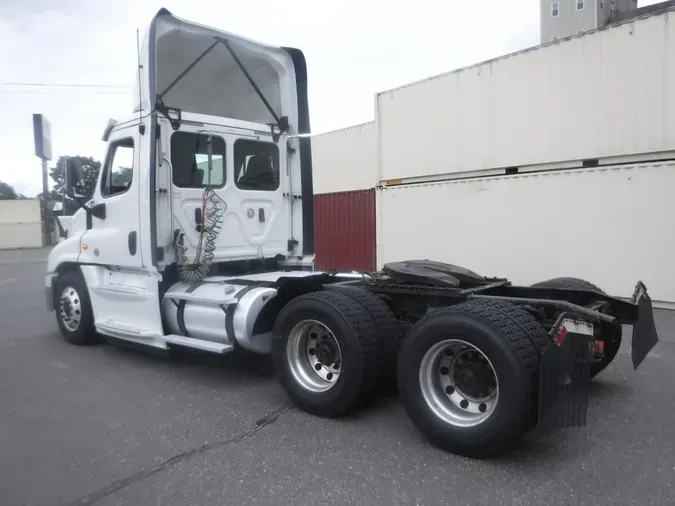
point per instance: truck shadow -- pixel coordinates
(247, 364)
(242, 368)
(538, 448)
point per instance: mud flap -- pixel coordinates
(564, 381)
(644, 330)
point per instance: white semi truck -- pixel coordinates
(199, 235)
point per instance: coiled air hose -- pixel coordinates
(213, 210)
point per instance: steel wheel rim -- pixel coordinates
(314, 356)
(70, 309)
(459, 383)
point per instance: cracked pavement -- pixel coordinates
(126, 482)
(109, 426)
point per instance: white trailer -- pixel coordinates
(199, 236)
(599, 98)
(345, 159)
(606, 224)
(20, 224)
(577, 134)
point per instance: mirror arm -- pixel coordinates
(98, 211)
(80, 201)
(62, 232)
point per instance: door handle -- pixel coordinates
(132, 243)
(198, 219)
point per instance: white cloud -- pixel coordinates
(353, 50)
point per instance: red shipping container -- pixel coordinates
(344, 231)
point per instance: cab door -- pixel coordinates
(113, 238)
(249, 178)
(260, 184)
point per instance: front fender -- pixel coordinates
(64, 254)
(67, 251)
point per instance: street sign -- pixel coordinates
(42, 133)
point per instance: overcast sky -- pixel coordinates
(353, 50)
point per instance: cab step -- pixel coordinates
(125, 330)
(174, 340)
(125, 291)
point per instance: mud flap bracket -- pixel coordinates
(645, 336)
(565, 376)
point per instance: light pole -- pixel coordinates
(42, 134)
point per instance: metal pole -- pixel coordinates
(47, 239)
(65, 178)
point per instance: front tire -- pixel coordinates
(468, 377)
(327, 353)
(610, 333)
(73, 309)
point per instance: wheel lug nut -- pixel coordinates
(312, 351)
(317, 367)
(444, 371)
(329, 376)
(482, 407)
(464, 404)
(449, 390)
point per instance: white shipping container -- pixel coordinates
(20, 211)
(345, 160)
(601, 95)
(20, 224)
(612, 226)
(20, 235)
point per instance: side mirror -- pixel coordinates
(74, 178)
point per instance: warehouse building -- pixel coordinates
(558, 160)
(563, 18)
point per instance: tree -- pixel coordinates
(91, 169)
(122, 176)
(7, 192)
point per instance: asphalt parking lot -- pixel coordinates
(109, 426)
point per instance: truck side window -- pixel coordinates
(190, 160)
(256, 165)
(118, 172)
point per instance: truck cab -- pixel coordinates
(207, 175)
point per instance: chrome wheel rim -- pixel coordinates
(70, 308)
(314, 356)
(459, 383)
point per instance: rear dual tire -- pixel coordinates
(443, 399)
(321, 334)
(497, 345)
